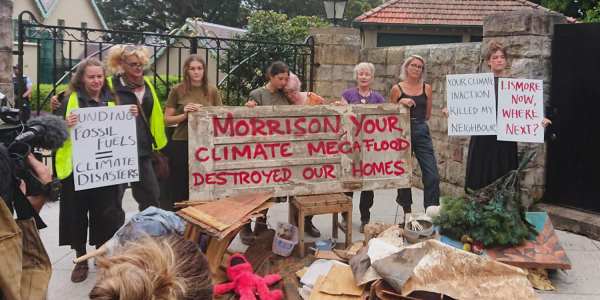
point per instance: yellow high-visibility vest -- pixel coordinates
(64, 155)
(157, 122)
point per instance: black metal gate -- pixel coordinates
(237, 65)
(573, 159)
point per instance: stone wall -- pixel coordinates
(526, 34)
(6, 86)
(337, 51)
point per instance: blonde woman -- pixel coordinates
(189, 96)
(130, 87)
(154, 268)
(414, 93)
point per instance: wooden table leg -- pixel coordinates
(348, 228)
(301, 233)
(191, 233)
(216, 250)
(334, 226)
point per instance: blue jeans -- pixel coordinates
(422, 147)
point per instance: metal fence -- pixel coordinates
(235, 65)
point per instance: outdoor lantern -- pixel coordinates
(335, 9)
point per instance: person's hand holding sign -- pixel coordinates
(134, 110)
(546, 122)
(72, 120)
(407, 102)
(191, 107)
(251, 103)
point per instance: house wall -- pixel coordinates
(369, 35)
(64, 9)
(527, 36)
(174, 67)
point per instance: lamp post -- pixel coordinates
(335, 9)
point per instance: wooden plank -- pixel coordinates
(227, 211)
(298, 150)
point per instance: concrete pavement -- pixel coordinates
(580, 283)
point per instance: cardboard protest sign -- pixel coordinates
(471, 104)
(520, 110)
(298, 150)
(104, 147)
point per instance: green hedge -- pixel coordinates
(161, 86)
(45, 89)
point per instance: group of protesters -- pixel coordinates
(100, 209)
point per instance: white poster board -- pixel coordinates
(520, 110)
(104, 147)
(471, 104)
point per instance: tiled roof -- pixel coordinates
(441, 12)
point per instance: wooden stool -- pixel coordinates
(303, 206)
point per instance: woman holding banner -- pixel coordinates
(364, 73)
(414, 93)
(489, 159)
(190, 95)
(87, 89)
(278, 75)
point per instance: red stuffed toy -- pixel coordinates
(245, 283)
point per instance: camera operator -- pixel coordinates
(26, 268)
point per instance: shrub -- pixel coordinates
(41, 96)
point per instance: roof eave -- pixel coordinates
(363, 25)
(99, 14)
(41, 8)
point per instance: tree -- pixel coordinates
(291, 8)
(356, 8)
(160, 16)
(271, 36)
(584, 10)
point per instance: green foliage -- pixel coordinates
(355, 8)
(42, 94)
(583, 10)
(291, 8)
(491, 223)
(163, 16)
(492, 215)
(161, 87)
(270, 34)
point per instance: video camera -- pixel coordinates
(20, 136)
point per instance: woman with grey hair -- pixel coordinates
(364, 73)
(415, 94)
(363, 94)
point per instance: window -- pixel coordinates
(476, 38)
(84, 25)
(30, 32)
(401, 39)
(60, 22)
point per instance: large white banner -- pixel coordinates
(471, 104)
(104, 147)
(520, 110)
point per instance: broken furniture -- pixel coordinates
(310, 205)
(221, 220)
